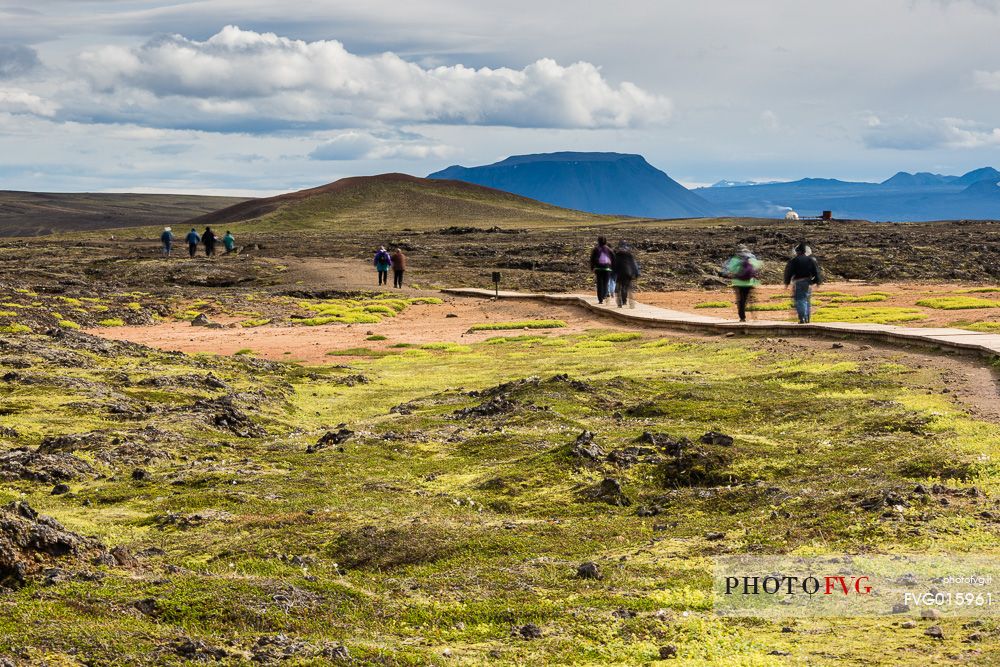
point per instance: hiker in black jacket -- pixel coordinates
(602, 260)
(802, 272)
(626, 271)
(208, 238)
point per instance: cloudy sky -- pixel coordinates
(262, 96)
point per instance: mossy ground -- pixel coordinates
(443, 522)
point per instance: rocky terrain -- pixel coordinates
(520, 497)
(518, 500)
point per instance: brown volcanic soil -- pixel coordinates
(971, 381)
(416, 325)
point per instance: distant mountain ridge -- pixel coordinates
(603, 183)
(922, 196)
(40, 213)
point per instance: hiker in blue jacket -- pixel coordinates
(802, 272)
(167, 240)
(602, 260)
(382, 264)
(193, 240)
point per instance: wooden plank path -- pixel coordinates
(987, 345)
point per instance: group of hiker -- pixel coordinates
(193, 239)
(384, 260)
(616, 270)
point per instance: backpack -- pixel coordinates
(604, 256)
(747, 270)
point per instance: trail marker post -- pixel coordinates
(496, 283)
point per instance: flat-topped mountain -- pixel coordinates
(607, 183)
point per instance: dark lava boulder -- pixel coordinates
(31, 543)
(609, 491)
(586, 448)
(25, 464)
(331, 439)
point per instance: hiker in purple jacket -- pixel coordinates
(383, 262)
(602, 261)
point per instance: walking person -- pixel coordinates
(192, 240)
(167, 240)
(208, 238)
(398, 261)
(744, 270)
(382, 264)
(625, 273)
(802, 272)
(602, 260)
(229, 242)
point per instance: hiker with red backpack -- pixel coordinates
(744, 271)
(602, 261)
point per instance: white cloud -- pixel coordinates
(245, 74)
(908, 133)
(16, 100)
(770, 121)
(365, 146)
(987, 80)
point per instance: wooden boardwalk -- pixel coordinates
(960, 340)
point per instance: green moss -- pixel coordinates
(714, 304)
(112, 322)
(873, 297)
(957, 303)
(359, 352)
(618, 337)
(526, 324)
(989, 327)
(447, 347)
(375, 337)
(256, 322)
(770, 306)
(8, 313)
(15, 329)
(347, 318)
(68, 324)
(455, 510)
(525, 338)
(979, 290)
(356, 311)
(879, 315)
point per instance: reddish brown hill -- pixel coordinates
(389, 198)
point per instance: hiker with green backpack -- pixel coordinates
(744, 271)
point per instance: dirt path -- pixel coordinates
(321, 273)
(971, 382)
(447, 322)
(898, 295)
